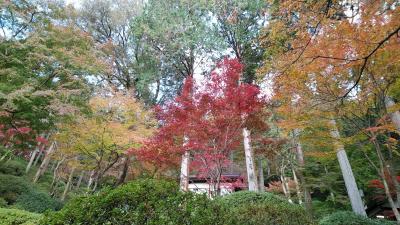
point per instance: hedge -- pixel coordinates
(21, 194)
(349, 218)
(250, 208)
(145, 201)
(18, 217)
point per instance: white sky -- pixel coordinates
(73, 2)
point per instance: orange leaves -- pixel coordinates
(333, 43)
(381, 129)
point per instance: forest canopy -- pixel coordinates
(102, 98)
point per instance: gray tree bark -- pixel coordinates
(68, 186)
(45, 162)
(249, 155)
(80, 179)
(91, 179)
(55, 177)
(32, 159)
(285, 185)
(395, 117)
(184, 177)
(39, 155)
(349, 180)
(298, 190)
(124, 172)
(268, 168)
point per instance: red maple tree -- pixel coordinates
(210, 115)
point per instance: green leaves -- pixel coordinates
(176, 36)
(43, 73)
(252, 208)
(143, 201)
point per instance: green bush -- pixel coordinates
(349, 218)
(37, 201)
(3, 203)
(11, 187)
(18, 217)
(325, 208)
(250, 208)
(23, 195)
(145, 201)
(14, 167)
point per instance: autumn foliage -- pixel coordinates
(207, 119)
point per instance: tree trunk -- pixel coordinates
(392, 172)
(285, 186)
(300, 175)
(91, 178)
(67, 187)
(56, 170)
(382, 165)
(298, 190)
(390, 199)
(96, 182)
(395, 117)
(45, 162)
(32, 159)
(268, 168)
(249, 155)
(184, 178)
(80, 180)
(55, 177)
(38, 157)
(122, 176)
(349, 180)
(261, 175)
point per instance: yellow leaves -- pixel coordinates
(321, 155)
(117, 123)
(394, 108)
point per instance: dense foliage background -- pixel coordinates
(106, 105)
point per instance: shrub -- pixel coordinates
(37, 201)
(250, 208)
(3, 203)
(145, 201)
(325, 208)
(11, 187)
(18, 217)
(16, 190)
(14, 167)
(349, 218)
